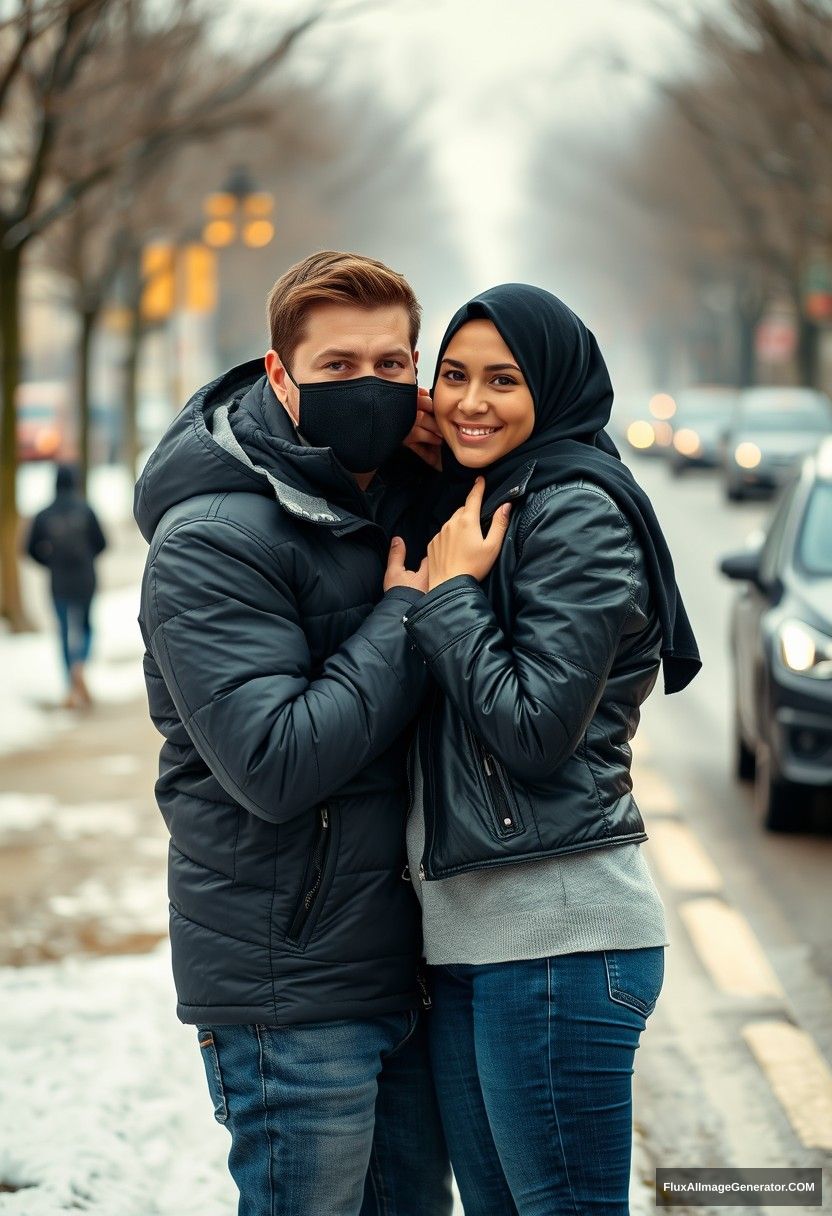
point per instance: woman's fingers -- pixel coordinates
(499, 526)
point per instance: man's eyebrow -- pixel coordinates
(332, 353)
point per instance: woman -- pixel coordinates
(544, 932)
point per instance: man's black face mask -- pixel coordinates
(364, 421)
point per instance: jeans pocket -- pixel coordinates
(208, 1050)
(635, 977)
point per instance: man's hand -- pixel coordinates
(425, 439)
(460, 548)
(397, 576)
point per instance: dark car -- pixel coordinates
(703, 415)
(770, 431)
(781, 642)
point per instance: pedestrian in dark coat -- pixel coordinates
(66, 537)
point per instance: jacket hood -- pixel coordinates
(234, 435)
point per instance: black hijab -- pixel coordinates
(572, 395)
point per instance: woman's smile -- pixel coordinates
(475, 433)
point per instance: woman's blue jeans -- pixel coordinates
(533, 1065)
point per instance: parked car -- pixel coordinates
(703, 415)
(642, 422)
(770, 431)
(781, 643)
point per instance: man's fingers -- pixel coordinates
(398, 552)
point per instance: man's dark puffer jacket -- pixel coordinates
(540, 672)
(283, 681)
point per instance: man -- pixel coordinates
(283, 681)
(66, 537)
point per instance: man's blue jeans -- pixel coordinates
(331, 1118)
(75, 629)
(533, 1064)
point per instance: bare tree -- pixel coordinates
(47, 51)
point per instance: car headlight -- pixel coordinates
(686, 441)
(747, 455)
(640, 435)
(805, 650)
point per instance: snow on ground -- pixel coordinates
(33, 676)
(105, 1106)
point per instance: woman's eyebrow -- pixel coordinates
(454, 362)
(502, 367)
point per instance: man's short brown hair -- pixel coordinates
(330, 277)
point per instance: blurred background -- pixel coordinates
(662, 165)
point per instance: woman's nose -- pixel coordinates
(471, 403)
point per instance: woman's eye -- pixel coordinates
(453, 375)
(503, 381)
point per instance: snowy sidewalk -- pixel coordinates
(105, 1107)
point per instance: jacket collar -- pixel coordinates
(509, 489)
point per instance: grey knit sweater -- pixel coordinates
(604, 899)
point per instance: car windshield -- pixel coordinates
(815, 548)
(785, 410)
(709, 406)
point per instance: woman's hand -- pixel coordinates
(460, 548)
(424, 438)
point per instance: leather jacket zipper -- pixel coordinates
(313, 876)
(507, 820)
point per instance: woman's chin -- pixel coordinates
(473, 459)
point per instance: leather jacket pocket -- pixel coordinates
(501, 800)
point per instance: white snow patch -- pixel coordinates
(33, 677)
(27, 814)
(135, 905)
(105, 1105)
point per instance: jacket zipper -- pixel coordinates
(314, 875)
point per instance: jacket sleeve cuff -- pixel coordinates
(446, 613)
(407, 595)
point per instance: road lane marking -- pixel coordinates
(653, 794)
(728, 949)
(799, 1076)
(683, 862)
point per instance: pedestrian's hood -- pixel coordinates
(235, 435)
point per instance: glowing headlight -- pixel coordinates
(662, 406)
(640, 435)
(748, 455)
(686, 441)
(804, 650)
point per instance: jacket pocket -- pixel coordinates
(502, 803)
(208, 1051)
(635, 977)
(315, 882)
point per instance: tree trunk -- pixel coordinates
(131, 392)
(746, 367)
(87, 318)
(808, 352)
(11, 598)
